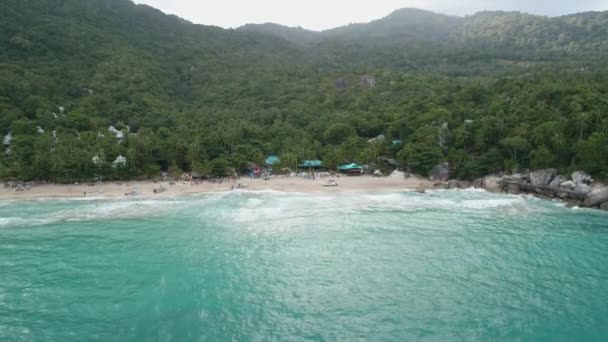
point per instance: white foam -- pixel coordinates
(261, 207)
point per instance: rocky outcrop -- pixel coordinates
(492, 184)
(458, 184)
(341, 83)
(368, 81)
(514, 189)
(597, 197)
(604, 206)
(453, 184)
(478, 183)
(547, 183)
(557, 181)
(568, 185)
(579, 177)
(542, 177)
(582, 188)
(440, 173)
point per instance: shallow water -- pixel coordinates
(444, 266)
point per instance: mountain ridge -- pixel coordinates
(515, 92)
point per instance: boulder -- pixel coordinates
(572, 205)
(453, 184)
(441, 172)
(542, 177)
(513, 189)
(604, 206)
(568, 185)
(492, 184)
(368, 81)
(464, 184)
(478, 183)
(557, 182)
(582, 188)
(440, 185)
(579, 177)
(597, 197)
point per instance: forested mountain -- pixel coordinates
(488, 92)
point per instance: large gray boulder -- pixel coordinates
(440, 173)
(568, 185)
(604, 206)
(453, 184)
(582, 189)
(478, 183)
(556, 183)
(579, 177)
(542, 177)
(464, 184)
(597, 197)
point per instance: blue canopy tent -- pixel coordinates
(351, 169)
(311, 164)
(272, 160)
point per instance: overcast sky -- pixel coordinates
(324, 14)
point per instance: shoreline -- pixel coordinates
(346, 184)
(145, 189)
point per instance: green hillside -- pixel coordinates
(515, 90)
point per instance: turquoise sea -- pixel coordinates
(269, 266)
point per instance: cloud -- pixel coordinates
(323, 14)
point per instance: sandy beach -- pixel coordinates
(146, 189)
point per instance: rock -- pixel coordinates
(568, 185)
(579, 177)
(453, 184)
(381, 138)
(440, 185)
(492, 184)
(604, 206)
(341, 83)
(478, 183)
(513, 189)
(542, 177)
(572, 205)
(464, 184)
(582, 188)
(597, 197)
(368, 81)
(557, 182)
(420, 190)
(441, 172)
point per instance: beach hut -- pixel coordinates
(352, 169)
(272, 160)
(311, 164)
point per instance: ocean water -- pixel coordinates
(268, 266)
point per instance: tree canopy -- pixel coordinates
(83, 83)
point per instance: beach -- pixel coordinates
(145, 189)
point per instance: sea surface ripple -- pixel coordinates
(271, 266)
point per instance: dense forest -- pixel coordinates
(107, 88)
